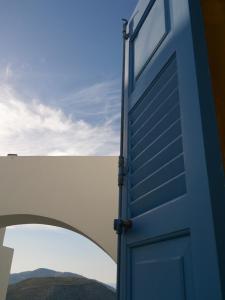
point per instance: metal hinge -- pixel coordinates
(125, 34)
(120, 225)
(122, 171)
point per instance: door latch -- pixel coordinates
(120, 225)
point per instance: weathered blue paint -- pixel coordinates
(174, 188)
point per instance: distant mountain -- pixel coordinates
(17, 277)
(60, 288)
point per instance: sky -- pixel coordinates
(55, 248)
(60, 74)
(60, 79)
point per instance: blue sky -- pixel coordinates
(60, 73)
(60, 78)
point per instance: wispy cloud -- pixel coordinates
(25, 71)
(30, 127)
(99, 102)
(8, 72)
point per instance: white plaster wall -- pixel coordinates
(6, 255)
(2, 234)
(79, 193)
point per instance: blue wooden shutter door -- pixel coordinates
(174, 187)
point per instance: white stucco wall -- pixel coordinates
(6, 255)
(2, 234)
(79, 193)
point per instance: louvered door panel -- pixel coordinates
(156, 151)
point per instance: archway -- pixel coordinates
(77, 193)
(23, 219)
(46, 250)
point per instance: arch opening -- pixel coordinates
(61, 241)
(26, 219)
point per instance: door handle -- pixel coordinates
(122, 224)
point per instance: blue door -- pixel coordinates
(173, 189)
